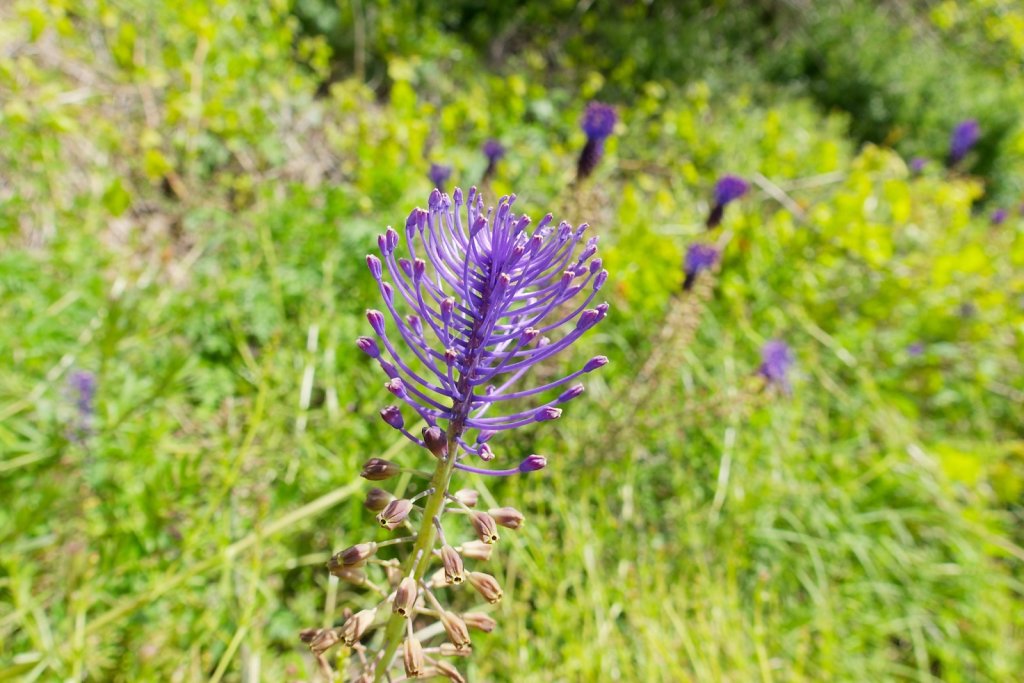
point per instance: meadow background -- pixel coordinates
(187, 193)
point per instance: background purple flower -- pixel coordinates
(598, 122)
(917, 165)
(82, 387)
(699, 257)
(494, 151)
(728, 189)
(776, 362)
(965, 135)
(999, 216)
(485, 297)
(916, 350)
(439, 175)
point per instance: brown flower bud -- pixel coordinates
(485, 527)
(353, 556)
(476, 550)
(456, 629)
(453, 568)
(378, 469)
(395, 513)
(307, 635)
(507, 517)
(405, 596)
(448, 671)
(377, 499)
(435, 441)
(357, 577)
(356, 625)
(479, 621)
(486, 585)
(467, 497)
(413, 657)
(324, 640)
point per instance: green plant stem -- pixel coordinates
(419, 559)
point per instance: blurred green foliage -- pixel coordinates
(187, 191)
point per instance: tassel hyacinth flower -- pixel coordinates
(494, 151)
(699, 257)
(473, 300)
(963, 138)
(728, 189)
(598, 122)
(776, 362)
(439, 175)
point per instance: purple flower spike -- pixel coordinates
(598, 122)
(493, 296)
(493, 150)
(999, 216)
(965, 135)
(699, 257)
(82, 387)
(729, 188)
(776, 362)
(439, 175)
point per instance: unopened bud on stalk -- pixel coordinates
(479, 621)
(437, 580)
(378, 469)
(323, 640)
(435, 441)
(356, 577)
(453, 568)
(508, 517)
(449, 650)
(353, 556)
(455, 627)
(476, 550)
(487, 586)
(405, 596)
(356, 625)
(412, 656)
(393, 416)
(485, 527)
(467, 497)
(394, 513)
(377, 499)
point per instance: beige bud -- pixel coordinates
(456, 629)
(405, 597)
(486, 585)
(324, 640)
(485, 527)
(453, 568)
(507, 517)
(476, 550)
(437, 580)
(467, 497)
(448, 650)
(449, 671)
(353, 556)
(395, 513)
(356, 625)
(479, 621)
(413, 657)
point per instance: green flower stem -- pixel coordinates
(421, 554)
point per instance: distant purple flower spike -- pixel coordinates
(776, 362)
(439, 175)
(699, 257)
(493, 150)
(598, 122)
(487, 293)
(82, 386)
(916, 350)
(729, 188)
(965, 135)
(999, 216)
(917, 165)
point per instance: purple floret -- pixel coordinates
(493, 150)
(699, 257)
(439, 175)
(730, 188)
(999, 216)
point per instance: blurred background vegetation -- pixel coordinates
(187, 192)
